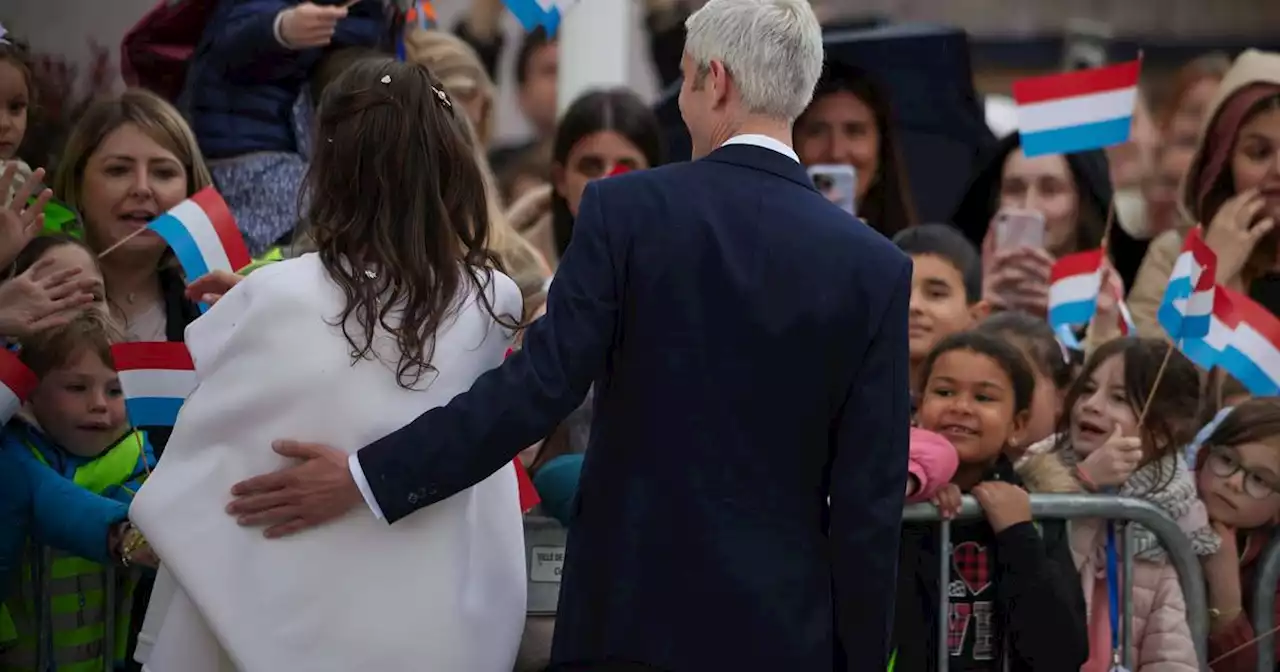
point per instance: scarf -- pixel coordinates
(1175, 496)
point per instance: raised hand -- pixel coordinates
(43, 297)
(309, 25)
(1113, 463)
(20, 221)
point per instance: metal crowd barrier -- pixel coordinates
(1264, 604)
(545, 542)
(1123, 510)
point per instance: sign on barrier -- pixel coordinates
(544, 543)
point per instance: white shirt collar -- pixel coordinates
(763, 141)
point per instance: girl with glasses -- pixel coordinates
(1238, 476)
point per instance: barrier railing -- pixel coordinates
(544, 546)
(1264, 605)
(1124, 511)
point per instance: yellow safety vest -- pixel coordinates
(61, 600)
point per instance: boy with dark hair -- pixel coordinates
(946, 286)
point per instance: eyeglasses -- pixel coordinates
(1224, 464)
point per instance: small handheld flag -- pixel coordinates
(1254, 355)
(1074, 284)
(1077, 111)
(203, 235)
(17, 382)
(1206, 351)
(156, 378)
(1188, 298)
(546, 14)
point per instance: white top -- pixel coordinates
(444, 590)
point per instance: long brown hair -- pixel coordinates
(397, 208)
(153, 116)
(1170, 424)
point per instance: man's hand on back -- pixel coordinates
(296, 498)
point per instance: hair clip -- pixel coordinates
(386, 79)
(4, 35)
(443, 98)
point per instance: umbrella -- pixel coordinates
(939, 119)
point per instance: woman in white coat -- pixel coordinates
(398, 310)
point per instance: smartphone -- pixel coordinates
(1019, 228)
(838, 183)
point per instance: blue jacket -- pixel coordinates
(242, 83)
(36, 500)
(747, 340)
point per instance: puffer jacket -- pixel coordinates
(1161, 640)
(242, 83)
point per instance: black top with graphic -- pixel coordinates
(1013, 594)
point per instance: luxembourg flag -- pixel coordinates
(1077, 111)
(1207, 350)
(203, 235)
(545, 13)
(1254, 355)
(1074, 284)
(156, 378)
(1188, 298)
(17, 382)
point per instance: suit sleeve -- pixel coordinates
(453, 447)
(1040, 596)
(868, 473)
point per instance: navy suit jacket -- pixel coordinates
(748, 344)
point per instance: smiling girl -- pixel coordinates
(1014, 600)
(1101, 440)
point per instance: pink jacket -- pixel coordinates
(1161, 640)
(932, 460)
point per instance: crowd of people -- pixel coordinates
(342, 165)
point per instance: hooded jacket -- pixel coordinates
(1252, 67)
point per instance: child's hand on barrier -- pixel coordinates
(1005, 504)
(948, 501)
(1113, 463)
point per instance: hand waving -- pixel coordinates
(20, 221)
(42, 297)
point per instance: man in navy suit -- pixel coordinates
(740, 502)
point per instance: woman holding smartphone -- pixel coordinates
(1233, 190)
(1025, 212)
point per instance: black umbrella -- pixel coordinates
(939, 118)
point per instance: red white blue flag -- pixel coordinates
(156, 378)
(1077, 111)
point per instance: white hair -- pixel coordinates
(772, 48)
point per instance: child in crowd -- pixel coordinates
(74, 427)
(946, 287)
(1222, 393)
(67, 269)
(1050, 363)
(246, 96)
(1101, 441)
(1015, 601)
(16, 89)
(1238, 477)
